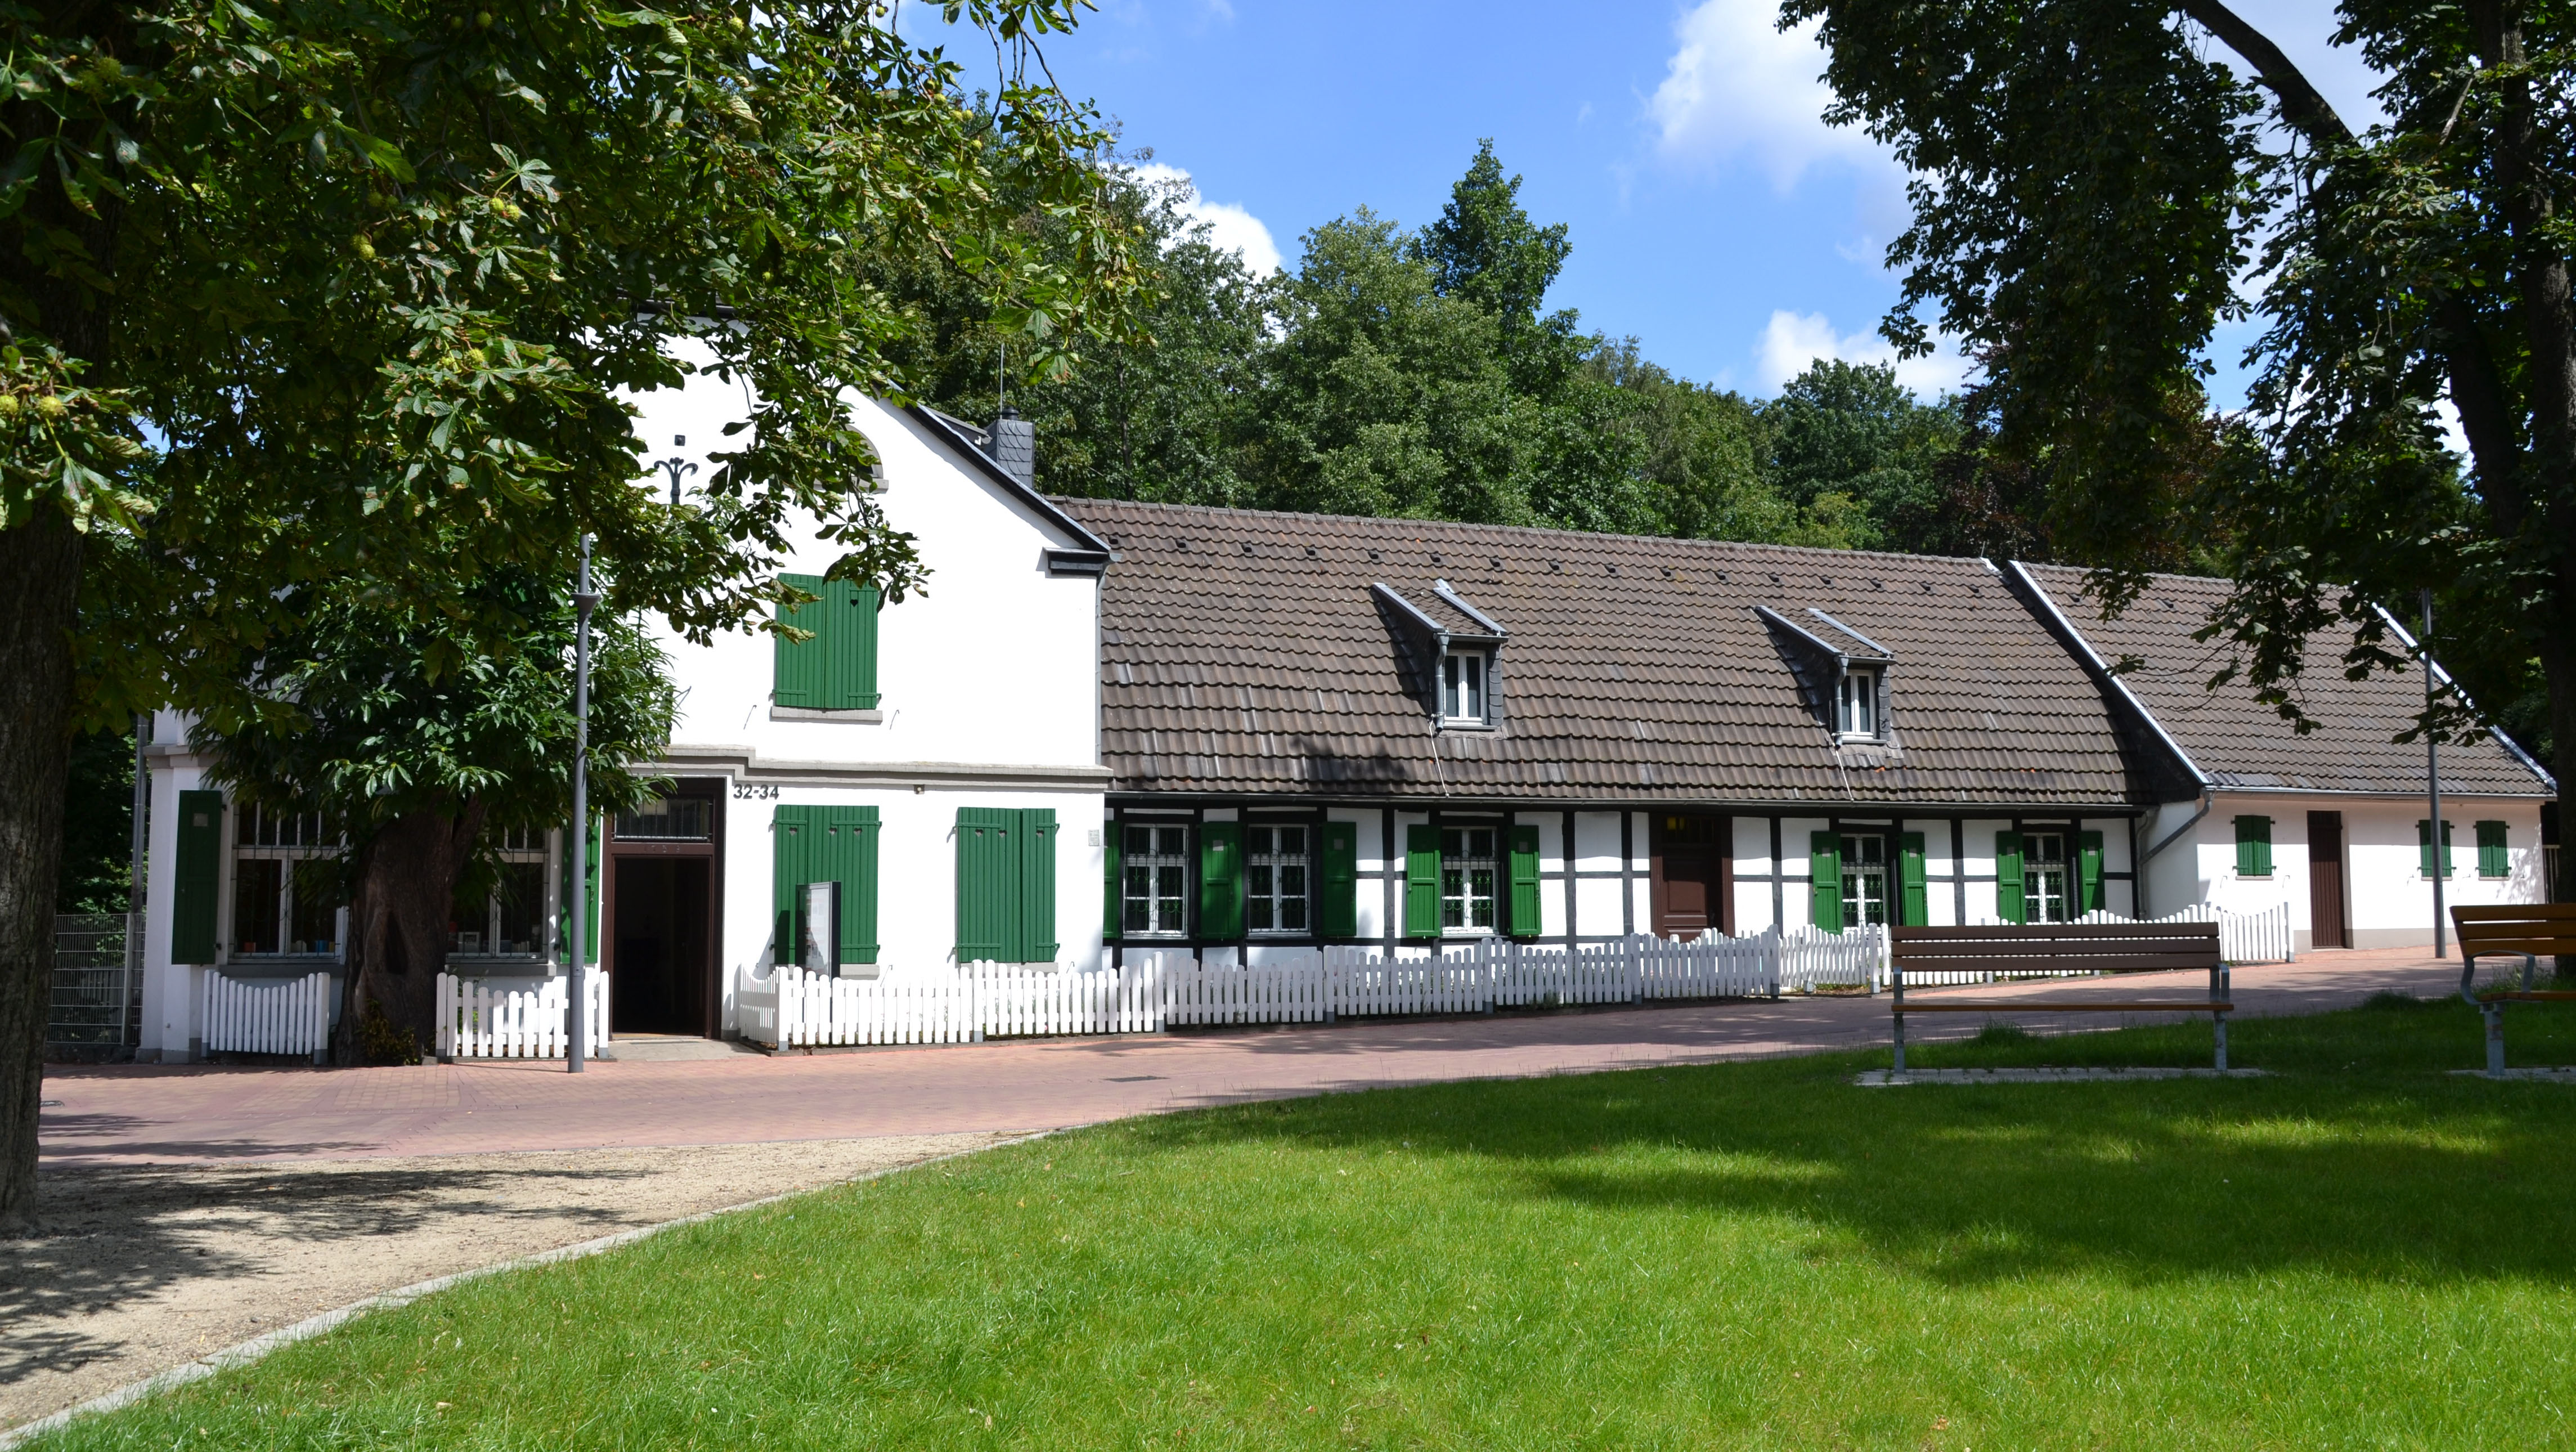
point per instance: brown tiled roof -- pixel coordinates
(2240, 742)
(1243, 651)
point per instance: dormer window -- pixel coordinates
(1463, 694)
(1856, 710)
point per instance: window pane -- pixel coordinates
(523, 907)
(316, 914)
(259, 890)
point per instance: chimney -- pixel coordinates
(1015, 446)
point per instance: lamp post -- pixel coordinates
(584, 600)
(2441, 866)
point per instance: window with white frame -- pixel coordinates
(1856, 708)
(286, 882)
(1465, 690)
(1154, 887)
(510, 921)
(2047, 879)
(1275, 864)
(1864, 874)
(1469, 869)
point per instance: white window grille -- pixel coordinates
(1275, 866)
(1155, 877)
(1468, 871)
(1864, 881)
(2045, 878)
(286, 896)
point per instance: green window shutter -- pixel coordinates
(792, 832)
(197, 884)
(1221, 880)
(837, 669)
(798, 667)
(849, 857)
(589, 900)
(1916, 909)
(1337, 914)
(2493, 859)
(2253, 846)
(850, 674)
(1421, 881)
(1825, 879)
(1110, 904)
(2088, 868)
(2424, 848)
(2011, 905)
(1034, 904)
(987, 885)
(1525, 918)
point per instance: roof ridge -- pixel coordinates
(1075, 501)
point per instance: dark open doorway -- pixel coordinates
(661, 918)
(659, 982)
(1694, 878)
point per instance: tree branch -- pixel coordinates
(2302, 104)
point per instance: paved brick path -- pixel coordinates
(151, 1114)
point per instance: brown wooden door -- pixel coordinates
(2325, 880)
(1693, 875)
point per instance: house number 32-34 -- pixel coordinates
(754, 791)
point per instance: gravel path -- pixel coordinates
(142, 1268)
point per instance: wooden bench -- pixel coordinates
(2527, 931)
(2060, 949)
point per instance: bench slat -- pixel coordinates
(2046, 1005)
(2537, 995)
(2057, 963)
(2518, 943)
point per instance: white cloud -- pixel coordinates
(1739, 84)
(1229, 225)
(1792, 341)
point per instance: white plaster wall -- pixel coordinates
(916, 873)
(1977, 841)
(1551, 867)
(995, 662)
(173, 993)
(2389, 901)
(1369, 839)
(1596, 845)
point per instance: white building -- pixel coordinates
(938, 758)
(1256, 733)
(2250, 814)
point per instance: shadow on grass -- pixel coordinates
(2358, 1159)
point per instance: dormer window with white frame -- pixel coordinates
(1466, 695)
(1856, 715)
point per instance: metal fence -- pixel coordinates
(97, 1007)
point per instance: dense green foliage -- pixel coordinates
(1419, 373)
(98, 825)
(1750, 1255)
(2094, 184)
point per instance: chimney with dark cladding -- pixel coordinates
(1015, 446)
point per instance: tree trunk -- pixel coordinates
(398, 925)
(40, 566)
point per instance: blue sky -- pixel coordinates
(1712, 214)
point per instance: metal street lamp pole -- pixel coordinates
(2433, 786)
(584, 600)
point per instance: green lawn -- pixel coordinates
(2360, 1251)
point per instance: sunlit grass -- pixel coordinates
(2358, 1251)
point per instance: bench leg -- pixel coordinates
(2495, 1040)
(2218, 1021)
(1899, 1020)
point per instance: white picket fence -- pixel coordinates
(479, 1021)
(1155, 989)
(292, 1017)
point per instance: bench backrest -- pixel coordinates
(2057, 948)
(2536, 927)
